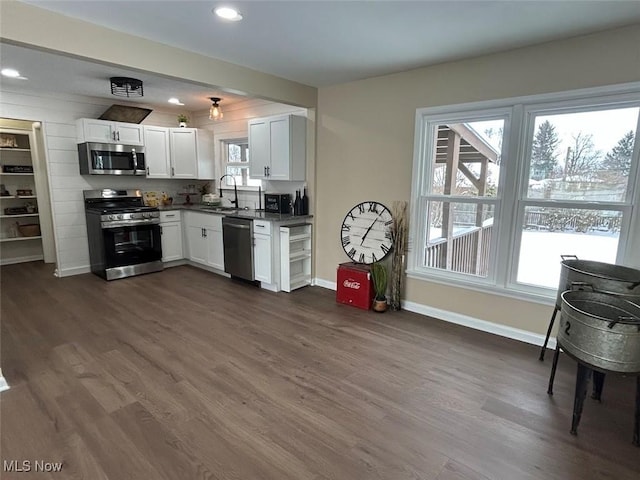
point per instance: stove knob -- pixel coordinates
(146, 215)
(120, 217)
(112, 217)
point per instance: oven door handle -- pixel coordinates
(126, 223)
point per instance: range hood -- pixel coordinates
(125, 113)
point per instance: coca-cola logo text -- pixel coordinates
(351, 284)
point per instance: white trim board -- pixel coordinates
(3, 384)
(68, 272)
(464, 320)
(13, 260)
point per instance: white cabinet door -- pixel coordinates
(171, 241)
(183, 153)
(128, 133)
(258, 148)
(262, 257)
(156, 152)
(215, 250)
(196, 244)
(99, 131)
(280, 153)
(103, 131)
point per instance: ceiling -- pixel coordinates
(317, 43)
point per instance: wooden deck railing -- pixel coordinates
(468, 252)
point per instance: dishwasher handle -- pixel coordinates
(235, 225)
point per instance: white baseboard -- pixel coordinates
(464, 320)
(68, 272)
(11, 261)
(319, 282)
(3, 384)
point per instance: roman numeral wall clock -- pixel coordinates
(366, 232)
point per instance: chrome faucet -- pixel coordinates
(235, 189)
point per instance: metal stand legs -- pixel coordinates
(598, 384)
(554, 365)
(636, 427)
(582, 384)
(546, 340)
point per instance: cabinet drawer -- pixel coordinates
(170, 216)
(262, 226)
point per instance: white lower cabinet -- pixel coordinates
(203, 233)
(171, 235)
(262, 256)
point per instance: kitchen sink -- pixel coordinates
(220, 209)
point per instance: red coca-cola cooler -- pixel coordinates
(354, 285)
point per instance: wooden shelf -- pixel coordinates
(295, 256)
(297, 238)
(301, 255)
(19, 239)
(21, 156)
(20, 215)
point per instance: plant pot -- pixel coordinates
(183, 124)
(380, 305)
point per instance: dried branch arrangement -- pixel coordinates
(399, 234)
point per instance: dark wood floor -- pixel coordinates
(187, 375)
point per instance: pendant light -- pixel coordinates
(215, 112)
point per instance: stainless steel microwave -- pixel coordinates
(111, 159)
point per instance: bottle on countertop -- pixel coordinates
(305, 203)
(297, 204)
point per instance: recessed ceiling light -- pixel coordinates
(175, 101)
(10, 72)
(228, 13)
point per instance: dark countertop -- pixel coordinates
(253, 214)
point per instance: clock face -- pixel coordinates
(366, 232)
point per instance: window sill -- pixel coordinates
(241, 188)
(541, 299)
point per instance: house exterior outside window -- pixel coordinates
(236, 163)
(502, 189)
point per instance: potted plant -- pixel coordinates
(183, 120)
(379, 277)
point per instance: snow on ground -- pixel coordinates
(540, 254)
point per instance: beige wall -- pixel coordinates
(365, 142)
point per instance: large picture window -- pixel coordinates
(500, 193)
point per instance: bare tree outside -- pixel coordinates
(582, 160)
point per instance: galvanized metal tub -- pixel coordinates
(602, 277)
(601, 330)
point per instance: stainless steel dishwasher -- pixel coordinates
(237, 234)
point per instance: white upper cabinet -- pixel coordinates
(103, 131)
(185, 153)
(277, 147)
(156, 152)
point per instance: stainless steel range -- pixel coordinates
(124, 235)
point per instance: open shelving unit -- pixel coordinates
(295, 256)
(16, 150)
